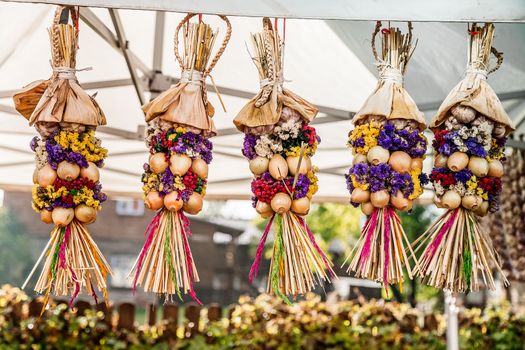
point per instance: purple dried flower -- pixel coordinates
(248, 147)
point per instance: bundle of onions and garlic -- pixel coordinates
(278, 143)
(388, 147)
(66, 191)
(470, 131)
(179, 127)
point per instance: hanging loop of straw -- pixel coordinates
(58, 47)
(205, 71)
(481, 48)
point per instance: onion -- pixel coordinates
(417, 163)
(440, 161)
(471, 202)
(400, 161)
(158, 163)
(200, 167)
(68, 171)
(264, 209)
(278, 167)
(293, 162)
(172, 201)
(399, 201)
(35, 176)
(62, 216)
(153, 200)
(457, 161)
(259, 165)
(495, 168)
(46, 176)
(451, 200)
(380, 199)
(479, 166)
(85, 214)
(194, 204)
(377, 155)
(281, 203)
(483, 208)
(367, 208)
(360, 196)
(46, 216)
(301, 206)
(179, 164)
(91, 172)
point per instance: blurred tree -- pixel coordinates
(16, 259)
(331, 221)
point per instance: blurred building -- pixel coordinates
(222, 262)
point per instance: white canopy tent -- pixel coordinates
(327, 62)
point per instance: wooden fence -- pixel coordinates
(122, 317)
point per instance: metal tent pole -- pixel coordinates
(451, 311)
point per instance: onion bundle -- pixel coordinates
(389, 147)
(66, 191)
(470, 132)
(179, 127)
(279, 143)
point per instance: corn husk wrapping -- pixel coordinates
(186, 103)
(473, 90)
(264, 110)
(59, 98)
(389, 99)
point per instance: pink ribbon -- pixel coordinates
(62, 252)
(387, 223)
(185, 233)
(432, 247)
(150, 232)
(254, 269)
(372, 221)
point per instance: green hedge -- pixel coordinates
(266, 323)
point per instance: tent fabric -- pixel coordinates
(329, 63)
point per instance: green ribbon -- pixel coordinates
(55, 254)
(167, 252)
(278, 255)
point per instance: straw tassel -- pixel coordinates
(165, 264)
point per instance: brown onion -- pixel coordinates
(293, 162)
(172, 201)
(62, 216)
(496, 168)
(46, 216)
(377, 155)
(46, 176)
(400, 161)
(301, 206)
(451, 199)
(85, 214)
(457, 161)
(479, 166)
(471, 202)
(91, 172)
(259, 165)
(194, 204)
(281, 203)
(200, 167)
(158, 163)
(278, 167)
(380, 199)
(179, 164)
(263, 208)
(68, 171)
(399, 201)
(153, 200)
(367, 208)
(360, 196)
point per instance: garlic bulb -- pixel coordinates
(464, 114)
(499, 130)
(399, 123)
